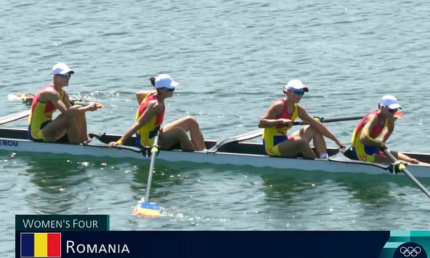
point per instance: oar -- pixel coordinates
(27, 98)
(402, 168)
(24, 114)
(332, 120)
(147, 208)
(14, 117)
(259, 132)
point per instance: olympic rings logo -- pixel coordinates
(410, 251)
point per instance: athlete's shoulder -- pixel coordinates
(155, 105)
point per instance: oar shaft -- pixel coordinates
(332, 120)
(14, 117)
(341, 119)
(154, 150)
(409, 174)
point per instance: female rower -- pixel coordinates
(279, 118)
(149, 118)
(70, 125)
(365, 145)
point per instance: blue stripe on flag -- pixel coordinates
(27, 244)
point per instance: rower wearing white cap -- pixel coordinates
(374, 129)
(149, 118)
(70, 124)
(279, 118)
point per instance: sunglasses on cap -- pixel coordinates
(391, 110)
(67, 75)
(169, 89)
(299, 91)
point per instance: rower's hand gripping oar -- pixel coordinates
(147, 208)
(402, 168)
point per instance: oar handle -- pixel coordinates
(403, 169)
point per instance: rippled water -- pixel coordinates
(231, 58)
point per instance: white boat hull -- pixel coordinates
(222, 157)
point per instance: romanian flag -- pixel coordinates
(40, 244)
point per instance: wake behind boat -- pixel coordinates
(231, 152)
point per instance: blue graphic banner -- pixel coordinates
(89, 236)
(220, 244)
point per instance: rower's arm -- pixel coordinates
(54, 97)
(141, 95)
(64, 105)
(389, 131)
(152, 110)
(89, 107)
(365, 133)
(66, 100)
(269, 119)
(406, 158)
(305, 117)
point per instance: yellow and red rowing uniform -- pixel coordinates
(146, 134)
(40, 115)
(272, 136)
(364, 152)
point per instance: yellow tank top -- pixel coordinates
(146, 134)
(40, 115)
(271, 132)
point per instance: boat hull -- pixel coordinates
(237, 154)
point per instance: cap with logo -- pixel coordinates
(295, 85)
(61, 69)
(390, 102)
(165, 81)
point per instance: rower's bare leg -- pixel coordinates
(398, 155)
(189, 124)
(406, 158)
(81, 126)
(59, 127)
(381, 159)
(309, 133)
(294, 146)
(169, 137)
(196, 134)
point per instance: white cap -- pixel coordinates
(165, 81)
(295, 85)
(61, 68)
(390, 101)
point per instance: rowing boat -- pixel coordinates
(232, 153)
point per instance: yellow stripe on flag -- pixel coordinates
(40, 245)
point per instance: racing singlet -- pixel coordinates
(366, 152)
(40, 115)
(145, 134)
(274, 135)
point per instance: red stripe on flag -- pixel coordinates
(54, 244)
